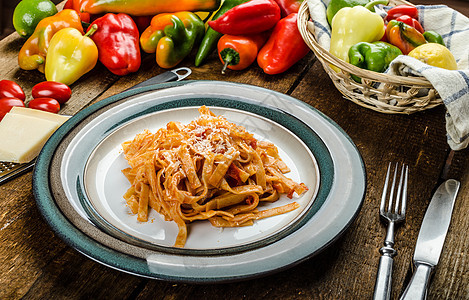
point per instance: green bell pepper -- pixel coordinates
(353, 25)
(335, 5)
(172, 36)
(374, 56)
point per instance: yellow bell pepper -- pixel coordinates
(70, 55)
(33, 53)
(352, 25)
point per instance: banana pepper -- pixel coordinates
(172, 36)
(374, 56)
(70, 55)
(352, 25)
(34, 51)
(147, 7)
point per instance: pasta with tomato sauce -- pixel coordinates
(209, 169)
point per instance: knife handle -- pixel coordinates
(383, 278)
(418, 285)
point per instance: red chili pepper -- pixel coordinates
(288, 6)
(254, 16)
(45, 104)
(284, 48)
(411, 22)
(51, 89)
(10, 89)
(237, 52)
(402, 10)
(7, 103)
(75, 5)
(117, 39)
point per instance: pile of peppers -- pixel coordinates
(365, 39)
(262, 30)
(70, 43)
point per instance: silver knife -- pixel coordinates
(431, 239)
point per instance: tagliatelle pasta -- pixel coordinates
(209, 169)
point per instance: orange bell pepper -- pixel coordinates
(33, 53)
(147, 7)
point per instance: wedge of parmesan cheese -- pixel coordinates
(24, 132)
(38, 114)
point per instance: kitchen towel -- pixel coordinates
(453, 86)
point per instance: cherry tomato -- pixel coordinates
(51, 89)
(7, 103)
(10, 89)
(45, 104)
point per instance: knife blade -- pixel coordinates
(431, 238)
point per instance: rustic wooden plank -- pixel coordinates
(418, 140)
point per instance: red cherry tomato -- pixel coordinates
(7, 103)
(10, 89)
(45, 104)
(51, 89)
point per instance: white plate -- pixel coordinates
(82, 201)
(105, 184)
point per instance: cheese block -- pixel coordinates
(22, 136)
(38, 114)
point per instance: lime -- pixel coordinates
(28, 13)
(435, 55)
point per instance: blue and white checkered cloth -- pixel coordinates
(453, 86)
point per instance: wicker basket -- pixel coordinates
(381, 92)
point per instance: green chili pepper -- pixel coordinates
(372, 56)
(433, 37)
(211, 37)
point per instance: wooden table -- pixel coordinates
(35, 263)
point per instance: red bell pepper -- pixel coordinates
(288, 6)
(117, 39)
(254, 16)
(411, 22)
(75, 5)
(284, 48)
(402, 10)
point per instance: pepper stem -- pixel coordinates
(230, 57)
(91, 30)
(371, 5)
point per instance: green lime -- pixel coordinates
(28, 13)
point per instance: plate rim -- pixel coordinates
(123, 262)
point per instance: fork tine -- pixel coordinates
(404, 192)
(385, 188)
(399, 191)
(391, 195)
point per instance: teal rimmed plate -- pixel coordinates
(78, 184)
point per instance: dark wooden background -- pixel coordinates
(36, 264)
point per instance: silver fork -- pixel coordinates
(392, 215)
